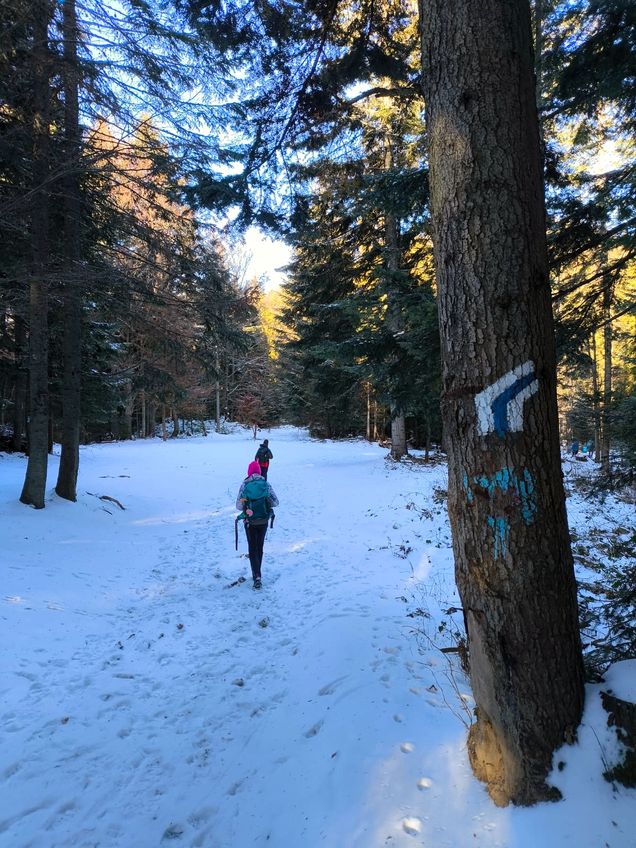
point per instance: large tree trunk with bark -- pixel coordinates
(34, 487)
(66, 486)
(506, 502)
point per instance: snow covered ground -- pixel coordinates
(148, 699)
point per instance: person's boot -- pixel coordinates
(257, 583)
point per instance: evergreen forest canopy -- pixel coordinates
(138, 138)
(127, 131)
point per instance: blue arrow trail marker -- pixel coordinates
(500, 406)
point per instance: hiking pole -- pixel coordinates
(236, 521)
(271, 521)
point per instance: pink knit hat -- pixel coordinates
(253, 468)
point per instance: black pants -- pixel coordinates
(255, 542)
(264, 470)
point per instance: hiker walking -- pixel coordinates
(255, 500)
(263, 456)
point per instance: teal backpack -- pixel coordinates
(256, 495)
(256, 492)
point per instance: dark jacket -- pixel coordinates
(263, 455)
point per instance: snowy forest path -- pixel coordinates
(194, 690)
(149, 697)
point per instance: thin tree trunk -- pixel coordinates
(392, 251)
(607, 380)
(21, 384)
(506, 503)
(66, 486)
(34, 488)
(164, 432)
(595, 398)
(217, 392)
(151, 417)
(129, 406)
(226, 392)
(142, 407)
(368, 412)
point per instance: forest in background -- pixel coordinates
(129, 142)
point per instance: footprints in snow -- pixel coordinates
(314, 729)
(330, 688)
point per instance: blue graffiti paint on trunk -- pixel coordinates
(501, 530)
(507, 493)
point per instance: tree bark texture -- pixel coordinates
(34, 487)
(66, 486)
(506, 503)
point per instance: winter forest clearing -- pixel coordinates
(149, 699)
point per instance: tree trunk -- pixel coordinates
(142, 407)
(21, 384)
(34, 487)
(151, 415)
(595, 398)
(398, 434)
(164, 432)
(175, 424)
(66, 486)
(607, 379)
(128, 402)
(392, 251)
(217, 392)
(506, 503)
(368, 412)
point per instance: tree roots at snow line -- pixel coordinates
(505, 780)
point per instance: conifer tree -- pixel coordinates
(506, 503)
